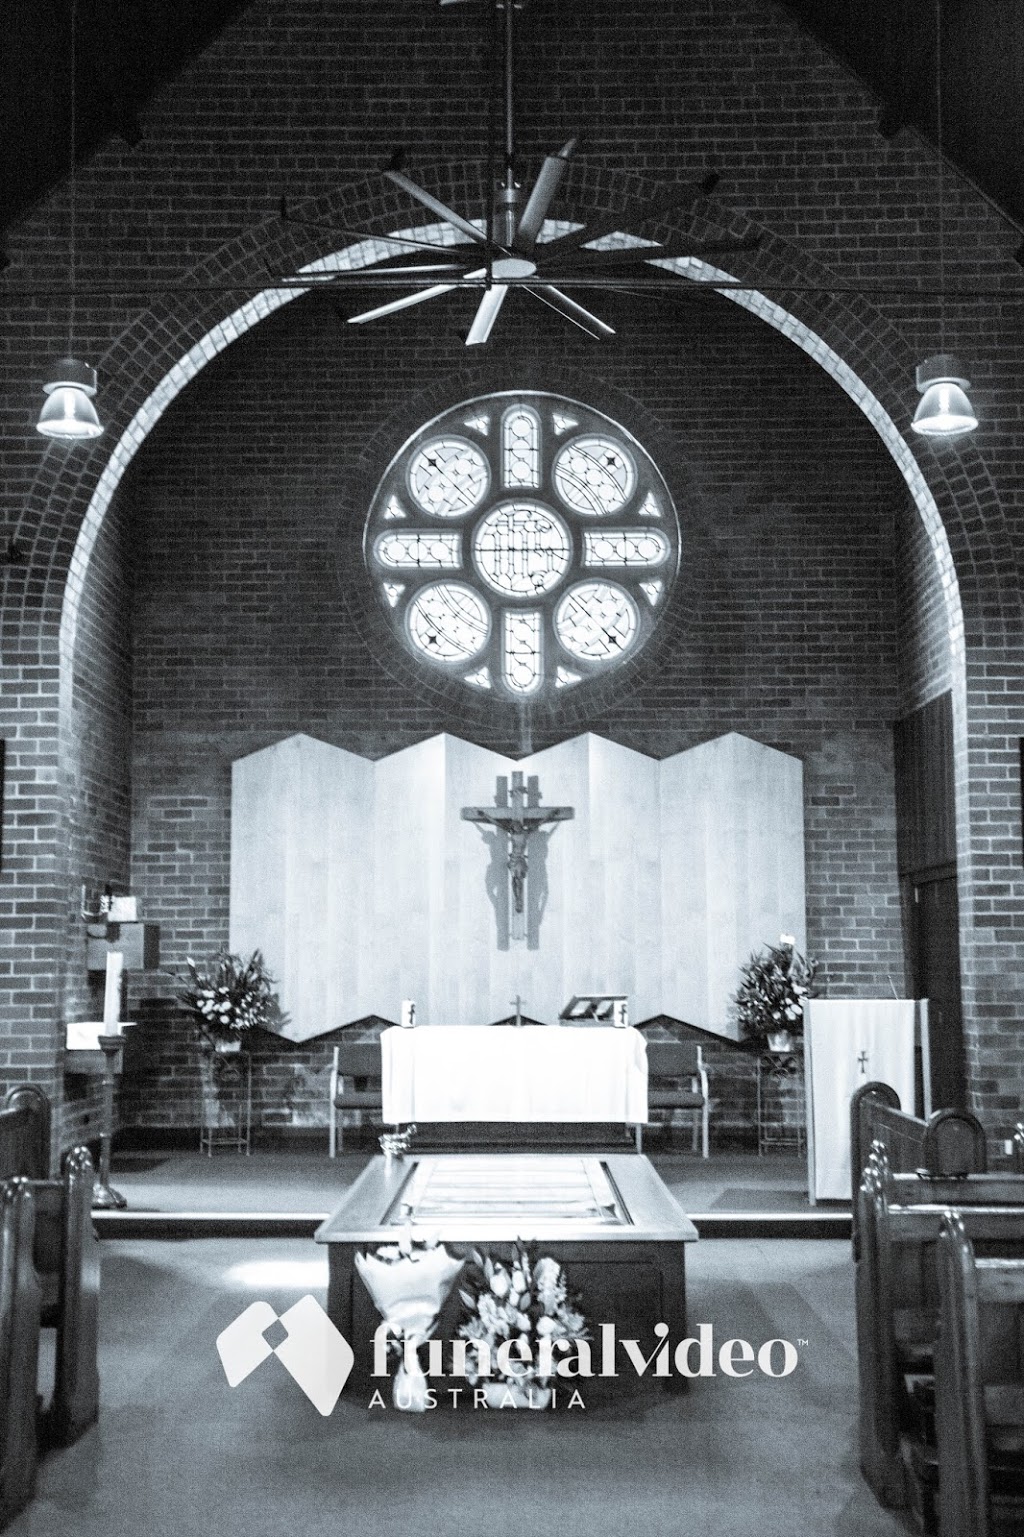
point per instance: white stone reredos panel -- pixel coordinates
(362, 885)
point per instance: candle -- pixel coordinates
(112, 993)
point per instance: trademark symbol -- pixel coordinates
(803, 1342)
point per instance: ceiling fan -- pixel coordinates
(512, 249)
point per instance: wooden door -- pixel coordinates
(936, 969)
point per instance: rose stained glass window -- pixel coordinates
(523, 544)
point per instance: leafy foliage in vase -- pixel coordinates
(229, 996)
(774, 983)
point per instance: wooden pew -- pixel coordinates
(897, 1298)
(66, 1255)
(25, 1132)
(19, 1347)
(950, 1142)
(979, 1386)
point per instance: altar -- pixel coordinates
(609, 1219)
(509, 1073)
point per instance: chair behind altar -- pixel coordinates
(677, 1080)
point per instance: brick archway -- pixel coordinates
(863, 352)
(843, 333)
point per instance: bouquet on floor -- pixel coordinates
(520, 1315)
(409, 1286)
(230, 996)
(774, 984)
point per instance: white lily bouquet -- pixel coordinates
(517, 1312)
(409, 1286)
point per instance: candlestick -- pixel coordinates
(112, 993)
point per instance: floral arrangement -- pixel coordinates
(229, 996)
(527, 1300)
(771, 994)
(409, 1285)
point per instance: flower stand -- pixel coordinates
(226, 1083)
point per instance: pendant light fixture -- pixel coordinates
(944, 410)
(68, 411)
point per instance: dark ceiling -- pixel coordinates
(128, 49)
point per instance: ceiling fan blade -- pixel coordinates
(486, 314)
(557, 300)
(634, 212)
(540, 199)
(405, 302)
(401, 242)
(364, 277)
(436, 206)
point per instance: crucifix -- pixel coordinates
(518, 813)
(862, 1063)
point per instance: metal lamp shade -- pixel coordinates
(68, 411)
(944, 410)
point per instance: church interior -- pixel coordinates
(511, 758)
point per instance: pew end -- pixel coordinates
(20, 1306)
(979, 1386)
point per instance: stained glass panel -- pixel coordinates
(420, 548)
(448, 622)
(594, 476)
(449, 477)
(596, 621)
(520, 447)
(522, 549)
(523, 664)
(625, 547)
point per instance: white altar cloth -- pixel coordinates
(510, 1073)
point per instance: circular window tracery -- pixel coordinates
(521, 549)
(523, 543)
(448, 622)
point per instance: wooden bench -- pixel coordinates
(677, 1080)
(20, 1305)
(950, 1142)
(896, 1292)
(66, 1256)
(979, 1386)
(355, 1084)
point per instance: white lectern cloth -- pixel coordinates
(509, 1073)
(848, 1042)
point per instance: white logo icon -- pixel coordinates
(313, 1352)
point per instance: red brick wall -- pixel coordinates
(291, 98)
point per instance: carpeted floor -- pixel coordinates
(311, 1182)
(180, 1454)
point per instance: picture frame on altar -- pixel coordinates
(596, 1009)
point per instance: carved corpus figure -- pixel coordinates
(518, 814)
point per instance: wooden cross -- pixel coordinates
(519, 1008)
(862, 1063)
(518, 814)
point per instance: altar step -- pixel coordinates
(819, 1223)
(522, 1136)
